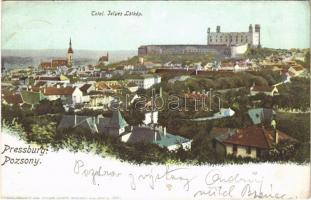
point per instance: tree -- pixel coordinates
(49, 107)
(42, 134)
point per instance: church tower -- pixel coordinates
(69, 54)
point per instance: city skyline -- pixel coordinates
(27, 25)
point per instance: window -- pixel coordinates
(235, 149)
(248, 150)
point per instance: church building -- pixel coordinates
(56, 63)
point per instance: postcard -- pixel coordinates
(155, 100)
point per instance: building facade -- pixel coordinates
(146, 81)
(252, 37)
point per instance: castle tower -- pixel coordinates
(257, 30)
(218, 29)
(208, 34)
(250, 28)
(69, 54)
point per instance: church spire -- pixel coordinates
(70, 47)
(69, 54)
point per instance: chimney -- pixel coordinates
(97, 119)
(276, 137)
(164, 131)
(75, 119)
(155, 136)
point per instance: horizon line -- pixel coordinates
(73, 48)
(107, 50)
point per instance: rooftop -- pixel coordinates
(252, 136)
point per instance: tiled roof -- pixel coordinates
(59, 62)
(31, 98)
(282, 137)
(54, 90)
(85, 87)
(46, 65)
(12, 98)
(40, 84)
(93, 124)
(254, 136)
(263, 88)
(58, 91)
(47, 78)
(72, 121)
(251, 136)
(143, 134)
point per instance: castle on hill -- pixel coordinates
(227, 44)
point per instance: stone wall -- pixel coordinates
(183, 49)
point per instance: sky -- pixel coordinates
(49, 25)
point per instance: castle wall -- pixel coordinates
(183, 49)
